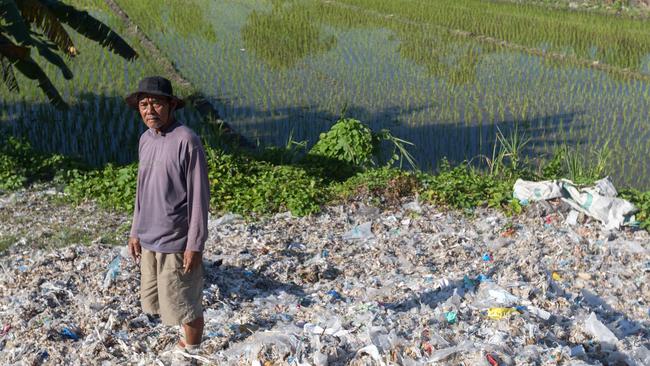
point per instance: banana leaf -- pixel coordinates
(41, 17)
(11, 50)
(17, 28)
(48, 53)
(7, 72)
(28, 67)
(90, 28)
(14, 24)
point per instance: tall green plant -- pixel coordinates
(507, 153)
(348, 141)
(579, 165)
(352, 143)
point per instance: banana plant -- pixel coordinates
(28, 25)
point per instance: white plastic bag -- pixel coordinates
(599, 331)
(360, 232)
(599, 201)
(537, 191)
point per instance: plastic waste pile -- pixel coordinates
(354, 285)
(599, 201)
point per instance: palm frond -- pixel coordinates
(7, 73)
(14, 24)
(48, 53)
(11, 50)
(33, 71)
(43, 18)
(28, 67)
(90, 28)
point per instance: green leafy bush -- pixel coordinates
(112, 187)
(350, 146)
(466, 188)
(348, 141)
(243, 185)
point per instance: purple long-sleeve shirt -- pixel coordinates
(173, 193)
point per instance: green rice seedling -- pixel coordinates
(446, 71)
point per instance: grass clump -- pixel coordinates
(581, 167)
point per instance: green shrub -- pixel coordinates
(240, 184)
(112, 187)
(384, 183)
(466, 188)
(348, 145)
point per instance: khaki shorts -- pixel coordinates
(166, 290)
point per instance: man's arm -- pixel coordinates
(134, 242)
(198, 204)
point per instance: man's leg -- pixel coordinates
(193, 332)
(180, 298)
(148, 283)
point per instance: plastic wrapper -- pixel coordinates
(599, 331)
(500, 313)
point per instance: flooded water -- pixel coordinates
(276, 69)
(291, 69)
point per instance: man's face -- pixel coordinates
(155, 110)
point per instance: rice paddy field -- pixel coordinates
(444, 74)
(98, 128)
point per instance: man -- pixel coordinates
(171, 212)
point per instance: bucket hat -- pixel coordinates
(154, 85)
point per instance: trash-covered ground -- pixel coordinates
(353, 285)
(38, 217)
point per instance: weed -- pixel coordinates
(21, 165)
(112, 187)
(464, 187)
(243, 185)
(250, 186)
(6, 241)
(348, 141)
(387, 184)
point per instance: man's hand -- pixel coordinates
(191, 260)
(134, 249)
